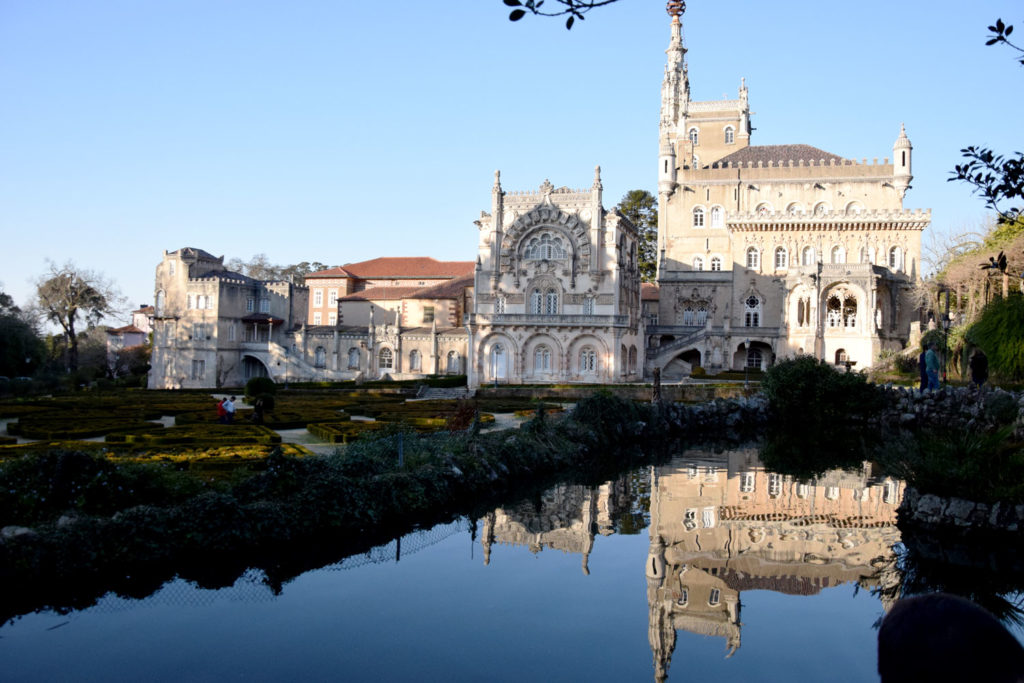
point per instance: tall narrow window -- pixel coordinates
(896, 258)
(753, 258)
(716, 263)
(320, 357)
(752, 314)
(550, 302)
(499, 304)
(698, 263)
(318, 297)
(588, 305)
(542, 359)
(698, 217)
(588, 361)
(317, 318)
(730, 135)
(415, 361)
(536, 302)
(694, 136)
(332, 319)
(385, 359)
(838, 254)
(781, 258)
(808, 256)
(453, 365)
(428, 314)
(332, 297)
(353, 358)
(716, 216)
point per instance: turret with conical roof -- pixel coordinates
(901, 151)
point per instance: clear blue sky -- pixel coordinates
(340, 131)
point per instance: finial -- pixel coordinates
(675, 9)
(497, 179)
(597, 178)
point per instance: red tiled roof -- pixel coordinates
(148, 310)
(649, 291)
(337, 271)
(127, 329)
(453, 289)
(408, 267)
(381, 294)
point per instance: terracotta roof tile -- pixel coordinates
(127, 329)
(453, 289)
(649, 291)
(776, 153)
(381, 294)
(407, 267)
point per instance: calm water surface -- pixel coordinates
(704, 568)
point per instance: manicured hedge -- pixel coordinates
(200, 434)
(343, 432)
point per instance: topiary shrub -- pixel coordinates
(260, 385)
(698, 371)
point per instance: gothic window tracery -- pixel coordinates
(588, 306)
(716, 263)
(499, 304)
(545, 247)
(386, 359)
(588, 361)
(550, 302)
(698, 217)
(752, 312)
(542, 359)
(536, 302)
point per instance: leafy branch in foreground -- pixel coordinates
(574, 8)
(994, 176)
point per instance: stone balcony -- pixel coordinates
(558, 320)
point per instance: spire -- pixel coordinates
(597, 178)
(675, 87)
(497, 183)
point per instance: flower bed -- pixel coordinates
(199, 434)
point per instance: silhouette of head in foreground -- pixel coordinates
(942, 637)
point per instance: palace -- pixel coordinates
(764, 252)
(770, 251)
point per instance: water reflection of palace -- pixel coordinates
(721, 524)
(565, 518)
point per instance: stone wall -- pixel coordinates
(959, 407)
(935, 510)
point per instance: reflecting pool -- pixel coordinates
(706, 567)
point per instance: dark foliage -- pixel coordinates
(260, 385)
(809, 394)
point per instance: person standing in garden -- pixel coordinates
(931, 364)
(222, 412)
(979, 368)
(229, 407)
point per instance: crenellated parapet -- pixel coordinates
(896, 219)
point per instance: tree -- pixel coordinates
(641, 208)
(995, 177)
(574, 8)
(21, 349)
(68, 294)
(259, 267)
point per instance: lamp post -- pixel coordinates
(286, 364)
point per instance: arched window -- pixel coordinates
(588, 305)
(730, 135)
(896, 258)
(850, 311)
(716, 263)
(716, 216)
(415, 361)
(694, 136)
(794, 209)
(320, 357)
(550, 302)
(499, 304)
(588, 361)
(452, 365)
(838, 254)
(499, 362)
(781, 258)
(536, 302)
(834, 312)
(160, 297)
(698, 217)
(353, 358)
(753, 258)
(871, 254)
(698, 263)
(752, 312)
(821, 208)
(841, 356)
(385, 359)
(854, 208)
(542, 359)
(763, 209)
(544, 247)
(774, 485)
(754, 359)
(807, 256)
(632, 359)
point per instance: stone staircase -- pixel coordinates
(442, 393)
